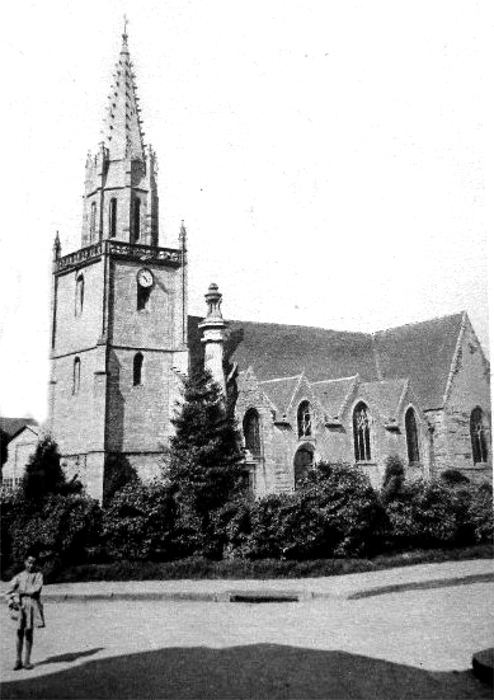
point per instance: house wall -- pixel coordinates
(20, 449)
(469, 388)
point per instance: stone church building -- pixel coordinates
(122, 339)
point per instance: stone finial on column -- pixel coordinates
(57, 248)
(213, 328)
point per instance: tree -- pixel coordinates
(4, 449)
(44, 474)
(204, 460)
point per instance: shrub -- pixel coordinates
(335, 512)
(480, 513)
(454, 477)
(61, 529)
(139, 523)
(428, 514)
(394, 477)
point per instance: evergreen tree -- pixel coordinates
(44, 474)
(205, 459)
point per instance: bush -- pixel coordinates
(394, 477)
(428, 514)
(454, 477)
(139, 523)
(335, 512)
(480, 513)
(60, 529)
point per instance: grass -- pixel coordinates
(199, 568)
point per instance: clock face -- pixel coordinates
(145, 277)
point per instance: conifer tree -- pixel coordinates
(44, 474)
(205, 457)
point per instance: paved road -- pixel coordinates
(411, 644)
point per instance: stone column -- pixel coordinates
(213, 328)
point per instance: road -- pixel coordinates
(413, 644)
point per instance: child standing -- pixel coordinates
(24, 594)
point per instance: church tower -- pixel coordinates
(119, 309)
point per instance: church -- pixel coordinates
(122, 339)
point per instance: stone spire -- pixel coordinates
(123, 135)
(213, 328)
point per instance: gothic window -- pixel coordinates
(478, 437)
(112, 218)
(92, 223)
(361, 433)
(412, 437)
(79, 294)
(138, 360)
(251, 432)
(143, 294)
(137, 219)
(304, 420)
(76, 376)
(304, 460)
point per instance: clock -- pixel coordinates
(145, 277)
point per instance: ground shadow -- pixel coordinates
(256, 671)
(70, 656)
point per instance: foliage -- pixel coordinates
(335, 512)
(427, 514)
(394, 477)
(204, 460)
(201, 568)
(60, 530)
(44, 474)
(454, 477)
(139, 522)
(480, 513)
(118, 473)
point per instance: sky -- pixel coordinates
(327, 158)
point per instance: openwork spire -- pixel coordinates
(123, 133)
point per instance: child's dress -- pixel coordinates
(25, 589)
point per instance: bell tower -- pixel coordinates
(119, 309)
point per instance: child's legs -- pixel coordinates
(29, 644)
(19, 643)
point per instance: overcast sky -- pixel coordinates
(327, 157)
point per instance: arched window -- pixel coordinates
(137, 219)
(112, 218)
(79, 294)
(138, 360)
(361, 433)
(92, 223)
(480, 452)
(251, 431)
(412, 436)
(76, 376)
(304, 460)
(304, 420)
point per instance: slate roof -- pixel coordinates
(422, 351)
(384, 396)
(332, 394)
(275, 350)
(281, 391)
(12, 426)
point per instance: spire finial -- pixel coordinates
(125, 36)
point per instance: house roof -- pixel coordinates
(332, 394)
(423, 351)
(282, 351)
(12, 426)
(281, 391)
(383, 395)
